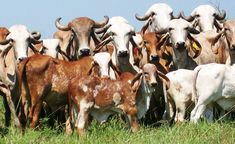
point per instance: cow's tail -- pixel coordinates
(21, 77)
(194, 91)
(167, 115)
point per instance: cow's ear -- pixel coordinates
(91, 70)
(164, 79)
(135, 83)
(195, 46)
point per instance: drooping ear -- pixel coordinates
(136, 50)
(145, 27)
(115, 69)
(164, 79)
(135, 83)
(217, 37)
(195, 46)
(5, 52)
(102, 44)
(33, 48)
(163, 41)
(90, 72)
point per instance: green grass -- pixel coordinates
(116, 132)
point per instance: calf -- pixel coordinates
(214, 83)
(178, 96)
(43, 78)
(103, 97)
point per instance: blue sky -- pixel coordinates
(41, 14)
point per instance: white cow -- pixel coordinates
(178, 96)
(206, 17)
(156, 18)
(120, 35)
(215, 83)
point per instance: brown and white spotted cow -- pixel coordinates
(102, 97)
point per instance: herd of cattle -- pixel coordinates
(176, 68)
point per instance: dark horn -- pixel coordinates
(145, 17)
(60, 26)
(102, 23)
(175, 17)
(36, 35)
(221, 16)
(189, 18)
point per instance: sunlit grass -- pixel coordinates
(115, 131)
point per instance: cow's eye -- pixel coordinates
(197, 15)
(170, 29)
(226, 29)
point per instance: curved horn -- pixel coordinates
(189, 18)
(60, 26)
(35, 40)
(175, 17)
(103, 29)
(4, 42)
(220, 16)
(36, 35)
(145, 17)
(102, 23)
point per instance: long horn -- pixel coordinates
(4, 42)
(102, 23)
(36, 35)
(189, 18)
(60, 26)
(220, 16)
(34, 41)
(103, 29)
(145, 17)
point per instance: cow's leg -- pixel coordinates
(82, 117)
(11, 106)
(197, 112)
(7, 111)
(180, 112)
(133, 120)
(36, 112)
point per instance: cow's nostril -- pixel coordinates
(21, 59)
(85, 52)
(180, 44)
(123, 53)
(154, 58)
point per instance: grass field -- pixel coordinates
(116, 131)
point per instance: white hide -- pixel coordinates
(51, 46)
(103, 59)
(161, 18)
(20, 35)
(205, 17)
(214, 83)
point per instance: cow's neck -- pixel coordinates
(122, 63)
(144, 94)
(182, 60)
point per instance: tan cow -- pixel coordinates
(43, 78)
(75, 38)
